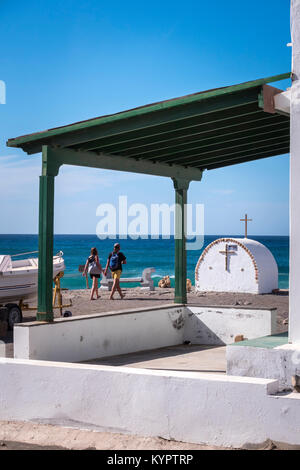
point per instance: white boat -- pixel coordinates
(19, 278)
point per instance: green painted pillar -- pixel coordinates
(181, 187)
(46, 217)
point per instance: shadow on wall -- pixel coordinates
(202, 334)
(222, 325)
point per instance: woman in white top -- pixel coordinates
(94, 268)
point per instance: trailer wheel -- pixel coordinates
(14, 315)
(67, 314)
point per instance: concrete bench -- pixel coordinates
(145, 280)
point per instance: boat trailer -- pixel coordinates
(11, 313)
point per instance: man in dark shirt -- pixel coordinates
(114, 262)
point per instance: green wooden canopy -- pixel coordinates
(204, 130)
(178, 138)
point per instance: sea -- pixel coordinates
(140, 254)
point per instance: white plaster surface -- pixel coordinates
(294, 310)
(84, 337)
(220, 325)
(279, 363)
(282, 101)
(251, 267)
(184, 406)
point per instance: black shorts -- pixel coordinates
(97, 276)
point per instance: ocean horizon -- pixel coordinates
(140, 253)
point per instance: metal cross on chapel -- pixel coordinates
(246, 220)
(226, 253)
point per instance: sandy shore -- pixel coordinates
(136, 298)
(34, 436)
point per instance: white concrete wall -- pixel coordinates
(82, 338)
(92, 336)
(279, 363)
(294, 322)
(220, 325)
(184, 406)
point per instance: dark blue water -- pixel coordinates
(140, 254)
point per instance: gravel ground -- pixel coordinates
(34, 436)
(136, 298)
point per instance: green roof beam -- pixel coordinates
(203, 162)
(58, 157)
(213, 141)
(199, 149)
(152, 144)
(241, 143)
(256, 156)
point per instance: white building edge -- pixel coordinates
(294, 315)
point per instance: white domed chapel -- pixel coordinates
(236, 265)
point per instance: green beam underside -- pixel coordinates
(277, 149)
(192, 135)
(215, 143)
(113, 162)
(188, 156)
(207, 163)
(200, 159)
(183, 155)
(256, 156)
(168, 129)
(241, 143)
(143, 111)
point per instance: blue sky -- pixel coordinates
(65, 61)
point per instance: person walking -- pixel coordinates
(94, 268)
(115, 261)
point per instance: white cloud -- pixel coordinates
(19, 178)
(73, 180)
(77, 190)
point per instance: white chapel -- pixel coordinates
(236, 265)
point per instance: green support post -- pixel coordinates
(181, 187)
(46, 215)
